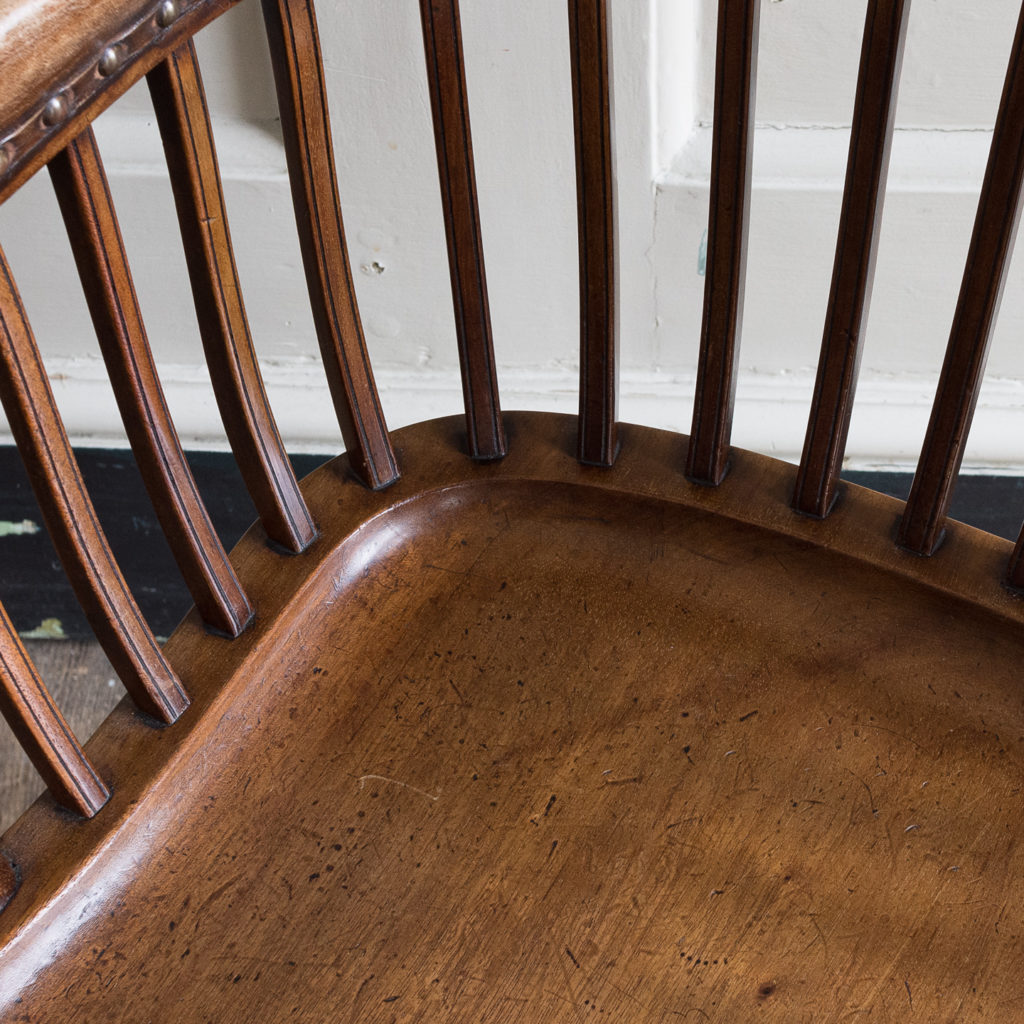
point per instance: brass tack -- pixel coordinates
(55, 111)
(167, 13)
(109, 61)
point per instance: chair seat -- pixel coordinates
(544, 745)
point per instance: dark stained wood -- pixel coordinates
(1015, 575)
(85, 202)
(71, 520)
(488, 798)
(70, 60)
(519, 740)
(44, 735)
(595, 198)
(295, 50)
(180, 104)
(446, 77)
(874, 110)
(988, 258)
(731, 154)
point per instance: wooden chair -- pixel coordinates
(517, 717)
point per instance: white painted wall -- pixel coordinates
(953, 71)
(517, 52)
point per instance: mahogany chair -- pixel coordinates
(516, 717)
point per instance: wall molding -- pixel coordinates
(813, 157)
(890, 415)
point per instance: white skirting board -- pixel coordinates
(521, 106)
(889, 421)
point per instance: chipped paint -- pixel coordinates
(22, 529)
(702, 254)
(48, 629)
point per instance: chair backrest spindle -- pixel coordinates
(731, 154)
(859, 223)
(446, 76)
(923, 523)
(595, 199)
(180, 104)
(85, 202)
(295, 53)
(44, 735)
(71, 519)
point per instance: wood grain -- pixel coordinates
(521, 739)
(42, 731)
(446, 79)
(731, 154)
(71, 519)
(988, 258)
(302, 98)
(180, 103)
(489, 794)
(86, 205)
(595, 201)
(874, 111)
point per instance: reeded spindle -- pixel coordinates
(870, 140)
(180, 104)
(731, 153)
(41, 730)
(295, 51)
(595, 198)
(85, 202)
(446, 76)
(71, 519)
(923, 524)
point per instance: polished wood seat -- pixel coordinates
(525, 717)
(745, 773)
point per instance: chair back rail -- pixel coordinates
(42, 731)
(176, 88)
(69, 60)
(446, 77)
(595, 202)
(988, 260)
(71, 519)
(731, 154)
(298, 72)
(874, 110)
(85, 202)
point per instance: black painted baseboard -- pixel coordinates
(38, 599)
(32, 583)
